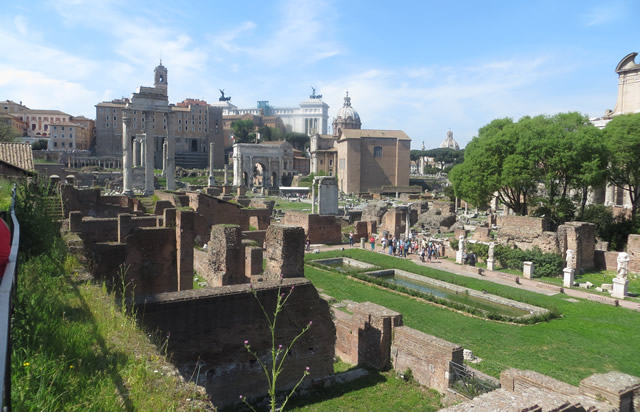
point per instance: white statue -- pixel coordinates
(492, 246)
(569, 259)
(623, 265)
(461, 244)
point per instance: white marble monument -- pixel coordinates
(621, 282)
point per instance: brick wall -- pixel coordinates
(209, 326)
(581, 238)
(319, 228)
(428, 357)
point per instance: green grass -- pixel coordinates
(5, 194)
(589, 338)
(286, 205)
(374, 392)
(74, 350)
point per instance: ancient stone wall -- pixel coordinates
(226, 256)
(90, 203)
(633, 249)
(482, 234)
(260, 219)
(319, 228)
(210, 326)
(150, 261)
(213, 211)
(285, 252)
(257, 236)
(526, 233)
(393, 222)
(581, 238)
(361, 230)
(428, 357)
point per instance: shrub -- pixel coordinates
(545, 264)
(481, 250)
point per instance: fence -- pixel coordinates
(465, 382)
(6, 289)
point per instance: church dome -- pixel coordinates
(347, 111)
(346, 118)
(449, 143)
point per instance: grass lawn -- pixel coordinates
(286, 205)
(369, 393)
(589, 338)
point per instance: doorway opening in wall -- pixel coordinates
(258, 174)
(194, 145)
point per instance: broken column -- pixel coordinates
(212, 180)
(127, 169)
(285, 252)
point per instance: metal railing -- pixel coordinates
(465, 381)
(6, 290)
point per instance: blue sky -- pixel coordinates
(421, 66)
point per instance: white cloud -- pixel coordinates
(603, 14)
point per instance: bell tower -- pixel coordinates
(160, 78)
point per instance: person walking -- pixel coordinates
(351, 239)
(372, 240)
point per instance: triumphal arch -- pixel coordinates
(268, 164)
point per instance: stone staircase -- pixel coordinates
(192, 160)
(53, 207)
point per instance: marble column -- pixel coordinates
(136, 152)
(164, 158)
(127, 172)
(313, 196)
(212, 180)
(149, 184)
(226, 168)
(143, 146)
(171, 156)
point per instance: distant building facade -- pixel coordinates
(361, 159)
(628, 102)
(310, 117)
(193, 123)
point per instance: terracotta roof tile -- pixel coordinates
(17, 154)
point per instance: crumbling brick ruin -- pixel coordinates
(285, 252)
(375, 337)
(154, 254)
(207, 329)
(531, 232)
(524, 390)
(319, 228)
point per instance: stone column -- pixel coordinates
(212, 180)
(149, 186)
(313, 196)
(136, 152)
(127, 172)
(143, 149)
(164, 158)
(225, 175)
(171, 156)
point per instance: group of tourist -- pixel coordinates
(425, 248)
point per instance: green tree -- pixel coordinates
(7, 133)
(622, 136)
(298, 140)
(39, 145)
(243, 131)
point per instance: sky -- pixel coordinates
(424, 67)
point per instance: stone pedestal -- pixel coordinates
(490, 264)
(619, 288)
(568, 277)
(527, 270)
(459, 257)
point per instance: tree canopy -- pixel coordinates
(622, 137)
(509, 160)
(441, 155)
(7, 133)
(243, 131)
